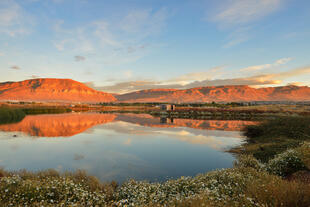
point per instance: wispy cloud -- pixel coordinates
(15, 67)
(13, 19)
(239, 15)
(34, 76)
(279, 62)
(79, 58)
(112, 42)
(183, 83)
(197, 76)
(236, 12)
(144, 22)
(237, 37)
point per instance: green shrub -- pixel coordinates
(252, 131)
(8, 115)
(286, 163)
(248, 161)
(304, 151)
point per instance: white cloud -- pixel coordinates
(13, 19)
(106, 38)
(267, 66)
(238, 36)
(236, 12)
(197, 76)
(194, 81)
(79, 58)
(1, 54)
(144, 22)
(15, 67)
(238, 15)
(283, 61)
(112, 42)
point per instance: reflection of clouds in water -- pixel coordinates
(11, 135)
(126, 128)
(213, 138)
(14, 147)
(87, 142)
(115, 165)
(214, 142)
(78, 157)
(119, 150)
(128, 142)
(59, 168)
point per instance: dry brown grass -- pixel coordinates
(278, 192)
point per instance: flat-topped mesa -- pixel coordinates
(50, 89)
(228, 93)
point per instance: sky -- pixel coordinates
(121, 46)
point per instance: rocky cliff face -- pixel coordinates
(63, 90)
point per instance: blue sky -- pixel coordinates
(126, 45)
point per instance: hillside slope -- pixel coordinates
(48, 89)
(219, 93)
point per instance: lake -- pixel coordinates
(119, 146)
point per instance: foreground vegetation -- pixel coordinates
(43, 110)
(274, 136)
(282, 178)
(249, 183)
(8, 115)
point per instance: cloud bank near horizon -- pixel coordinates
(194, 80)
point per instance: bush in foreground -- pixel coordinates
(242, 186)
(249, 161)
(286, 163)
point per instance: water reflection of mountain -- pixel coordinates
(150, 121)
(58, 125)
(65, 125)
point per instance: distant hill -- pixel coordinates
(49, 89)
(67, 90)
(219, 93)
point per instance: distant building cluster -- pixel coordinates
(167, 107)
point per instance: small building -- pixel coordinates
(167, 107)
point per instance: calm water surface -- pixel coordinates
(119, 146)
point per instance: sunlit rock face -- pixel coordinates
(67, 90)
(48, 89)
(58, 125)
(219, 93)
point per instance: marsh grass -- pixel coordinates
(8, 115)
(274, 136)
(46, 110)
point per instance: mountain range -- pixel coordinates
(67, 90)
